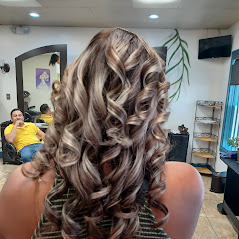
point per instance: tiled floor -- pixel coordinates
(211, 224)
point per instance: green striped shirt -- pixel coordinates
(146, 219)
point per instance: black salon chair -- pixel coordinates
(9, 152)
(30, 115)
(39, 120)
(27, 117)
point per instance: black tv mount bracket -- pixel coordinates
(5, 68)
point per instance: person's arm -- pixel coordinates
(183, 198)
(10, 137)
(21, 202)
(41, 134)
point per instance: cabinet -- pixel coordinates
(179, 147)
(205, 134)
(231, 193)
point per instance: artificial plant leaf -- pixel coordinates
(186, 68)
(173, 54)
(173, 42)
(181, 45)
(172, 96)
(170, 69)
(170, 40)
(180, 79)
(184, 42)
(184, 50)
(179, 92)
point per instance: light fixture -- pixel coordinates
(156, 1)
(153, 16)
(34, 14)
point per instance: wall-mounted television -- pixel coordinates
(215, 47)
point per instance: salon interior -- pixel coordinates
(199, 42)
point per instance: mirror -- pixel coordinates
(34, 75)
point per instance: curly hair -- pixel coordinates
(107, 135)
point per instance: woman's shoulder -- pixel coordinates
(183, 172)
(21, 202)
(183, 198)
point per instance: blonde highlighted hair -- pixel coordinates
(107, 135)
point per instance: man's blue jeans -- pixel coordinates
(28, 151)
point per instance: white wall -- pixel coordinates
(208, 77)
(235, 32)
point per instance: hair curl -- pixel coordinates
(107, 135)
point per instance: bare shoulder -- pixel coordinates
(186, 174)
(21, 202)
(183, 198)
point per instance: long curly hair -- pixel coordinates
(107, 135)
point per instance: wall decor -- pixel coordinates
(43, 80)
(180, 46)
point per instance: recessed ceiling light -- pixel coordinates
(153, 16)
(34, 14)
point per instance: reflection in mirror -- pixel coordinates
(38, 75)
(34, 75)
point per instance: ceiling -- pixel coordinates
(182, 14)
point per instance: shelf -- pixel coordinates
(213, 104)
(208, 139)
(207, 132)
(207, 120)
(204, 155)
(203, 170)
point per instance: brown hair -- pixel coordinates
(107, 135)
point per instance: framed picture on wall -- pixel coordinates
(43, 79)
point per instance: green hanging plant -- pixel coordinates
(184, 61)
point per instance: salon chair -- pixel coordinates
(30, 115)
(39, 120)
(9, 152)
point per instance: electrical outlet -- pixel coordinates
(8, 96)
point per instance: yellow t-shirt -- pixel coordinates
(47, 118)
(25, 136)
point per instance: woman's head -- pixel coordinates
(107, 134)
(54, 59)
(116, 85)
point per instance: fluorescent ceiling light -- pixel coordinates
(34, 14)
(19, 3)
(153, 16)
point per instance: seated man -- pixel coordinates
(23, 135)
(46, 113)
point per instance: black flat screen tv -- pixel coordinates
(215, 47)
